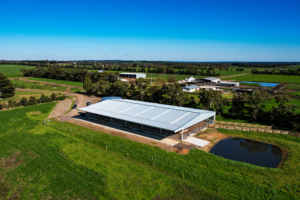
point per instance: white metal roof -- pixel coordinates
(224, 82)
(173, 118)
(132, 73)
(211, 78)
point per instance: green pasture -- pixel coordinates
(75, 90)
(38, 86)
(19, 95)
(13, 71)
(51, 161)
(270, 104)
(266, 78)
(62, 82)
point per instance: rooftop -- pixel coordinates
(131, 73)
(191, 87)
(210, 78)
(173, 118)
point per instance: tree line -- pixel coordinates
(33, 101)
(248, 107)
(276, 72)
(71, 75)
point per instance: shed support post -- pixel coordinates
(142, 127)
(125, 123)
(182, 135)
(160, 131)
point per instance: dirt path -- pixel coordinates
(234, 75)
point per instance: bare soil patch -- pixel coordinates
(11, 162)
(213, 136)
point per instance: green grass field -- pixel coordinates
(38, 86)
(48, 162)
(63, 82)
(13, 71)
(19, 95)
(75, 90)
(266, 78)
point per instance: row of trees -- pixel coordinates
(276, 72)
(265, 64)
(71, 75)
(33, 101)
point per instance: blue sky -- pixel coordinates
(228, 30)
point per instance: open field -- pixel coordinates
(266, 78)
(48, 162)
(62, 82)
(13, 71)
(37, 86)
(19, 95)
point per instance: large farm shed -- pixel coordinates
(210, 80)
(158, 119)
(132, 75)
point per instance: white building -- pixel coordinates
(190, 79)
(100, 71)
(132, 75)
(191, 88)
(229, 84)
(210, 87)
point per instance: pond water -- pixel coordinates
(249, 151)
(262, 83)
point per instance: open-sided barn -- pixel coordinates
(158, 119)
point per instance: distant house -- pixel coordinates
(73, 63)
(210, 80)
(242, 91)
(100, 71)
(191, 88)
(190, 79)
(229, 84)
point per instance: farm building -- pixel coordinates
(191, 88)
(209, 87)
(132, 75)
(158, 119)
(229, 84)
(190, 79)
(242, 91)
(210, 80)
(100, 71)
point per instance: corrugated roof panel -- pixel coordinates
(135, 110)
(152, 113)
(186, 119)
(171, 116)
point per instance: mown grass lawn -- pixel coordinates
(63, 82)
(13, 71)
(266, 78)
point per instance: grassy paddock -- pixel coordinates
(266, 78)
(13, 71)
(62, 82)
(46, 161)
(38, 86)
(215, 173)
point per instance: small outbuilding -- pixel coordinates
(210, 87)
(190, 79)
(132, 75)
(100, 71)
(191, 88)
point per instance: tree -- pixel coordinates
(24, 101)
(7, 88)
(142, 84)
(209, 97)
(172, 79)
(237, 106)
(254, 101)
(101, 86)
(87, 85)
(118, 88)
(220, 105)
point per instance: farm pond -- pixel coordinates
(262, 83)
(248, 151)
